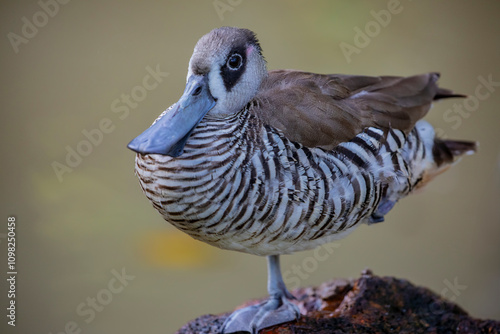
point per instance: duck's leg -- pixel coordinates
(276, 310)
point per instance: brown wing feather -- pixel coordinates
(324, 110)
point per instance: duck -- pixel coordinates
(275, 162)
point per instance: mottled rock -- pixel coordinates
(369, 304)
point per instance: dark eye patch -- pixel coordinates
(234, 67)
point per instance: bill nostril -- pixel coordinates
(197, 91)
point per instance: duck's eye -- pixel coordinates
(234, 61)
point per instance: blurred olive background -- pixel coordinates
(74, 75)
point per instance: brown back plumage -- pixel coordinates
(319, 110)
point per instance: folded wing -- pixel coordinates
(324, 110)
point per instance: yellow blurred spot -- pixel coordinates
(175, 249)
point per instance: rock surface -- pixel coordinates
(369, 304)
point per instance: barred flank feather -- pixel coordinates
(242, 185)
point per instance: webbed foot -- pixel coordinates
(252, 319)
(276, 310)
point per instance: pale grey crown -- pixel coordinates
(232, 59)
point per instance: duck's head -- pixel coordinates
(224, 74)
